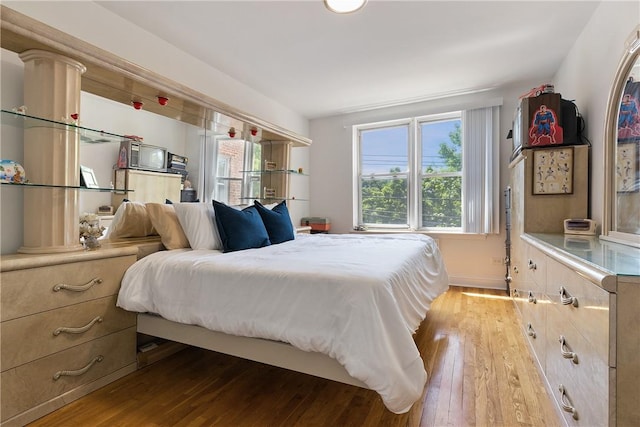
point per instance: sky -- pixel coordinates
(383, 149)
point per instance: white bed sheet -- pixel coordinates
(358, 299)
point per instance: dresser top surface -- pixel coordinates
(618, 259)
(125, 247)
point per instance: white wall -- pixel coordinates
(114, 34)
(94, 24)
(95, 113)
(585, 75)
(469, 258)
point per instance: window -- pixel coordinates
(436, 172)
(230, 181)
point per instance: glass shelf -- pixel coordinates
(273, 198)
(87, 135)
(67, 187)
(276, 171)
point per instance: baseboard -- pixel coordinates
(478, 282)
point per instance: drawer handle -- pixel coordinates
(80, 330)
(567, 299)
(516, 293)
(566, 351)
(79, 288)
(566, 403)
(78, 372)
(532, 265)
(515, 269)
(532, 298)
(530, 331)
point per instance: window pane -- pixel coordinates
(384, 150)
(441, 146)
(230, 180)
(441, 202)
(384, 200)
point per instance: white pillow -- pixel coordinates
(199, 225)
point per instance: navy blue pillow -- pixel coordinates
(240, 229)
(277, 222)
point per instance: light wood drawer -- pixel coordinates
(31, 384)
(519, 299)
(536, 269)
(34, 290)
(586, 382)
(583, 304)
(32, 337)
(533, 321)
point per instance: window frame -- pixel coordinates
(420, 175)
(480, 151)
(215, 182)
(414, 173)
(358, 217)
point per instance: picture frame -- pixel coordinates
(269, 193)
(627, 159)
(88, 178)
(553, 171)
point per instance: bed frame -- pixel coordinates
(273, 353)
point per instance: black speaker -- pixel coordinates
(571, 123)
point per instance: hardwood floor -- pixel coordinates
(480, 374)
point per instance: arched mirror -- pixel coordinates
(622, 144)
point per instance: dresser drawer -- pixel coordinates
(585, 380)
(34, 383)
(536, 269)
(533, 321)
(583, 304)
(55, 330)
(34, 290)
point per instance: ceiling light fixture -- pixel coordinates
(344, 6)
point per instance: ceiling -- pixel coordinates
(320, 64)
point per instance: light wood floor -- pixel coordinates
(480, 374)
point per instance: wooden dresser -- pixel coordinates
(579, 302)
(62, 334)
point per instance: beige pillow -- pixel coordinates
(165, 221)
(131, 220)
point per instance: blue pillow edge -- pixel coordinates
(277, 221)
(227, 219)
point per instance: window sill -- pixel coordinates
(453, 235)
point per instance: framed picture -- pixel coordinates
(627, 167)
(553, 171)
(88, 177)
(269, 193)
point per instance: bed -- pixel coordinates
(343, 307)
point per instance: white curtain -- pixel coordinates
(481, 170)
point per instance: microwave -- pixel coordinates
(136, 155)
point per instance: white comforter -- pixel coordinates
(358, 299)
